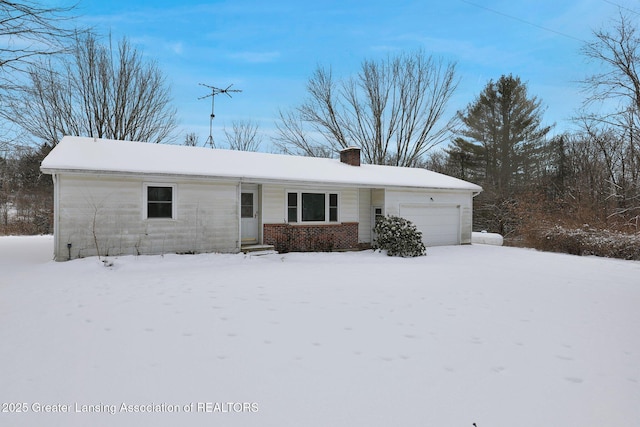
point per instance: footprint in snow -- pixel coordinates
(567, 358)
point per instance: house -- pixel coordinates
(121, 197)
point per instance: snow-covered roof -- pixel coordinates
(77, 154)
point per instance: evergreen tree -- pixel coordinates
(464, 159)
(506, 122)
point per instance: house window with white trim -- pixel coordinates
(303, 206)
(292, 207)
(159, 201)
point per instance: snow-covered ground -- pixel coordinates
(487, 334)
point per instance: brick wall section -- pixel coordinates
(311, 238)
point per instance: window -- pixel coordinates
(333, 207)
(377, 215)
(292, 207)
(246, 205)
(160, 201)
(312, 207)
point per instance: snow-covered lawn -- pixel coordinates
(493, 335)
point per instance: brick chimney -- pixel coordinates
(350, 156)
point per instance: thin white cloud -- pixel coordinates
(256, 57)
(176, 47)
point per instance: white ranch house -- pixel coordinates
(121, 197)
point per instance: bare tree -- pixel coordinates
(293, 138)
(97, 92)
(243, 136)
(28, 31)
(392, 110)
(618, 50)
(617, 89)
(191, 139)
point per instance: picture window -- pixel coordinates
(312, 207)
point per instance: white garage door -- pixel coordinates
(440, 225)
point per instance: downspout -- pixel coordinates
(56, 222)
(260, 218)
(239, 215)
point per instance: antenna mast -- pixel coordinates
(215, 91)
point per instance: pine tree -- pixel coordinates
(465, 158)
(506, 122)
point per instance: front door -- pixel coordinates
(249, 216)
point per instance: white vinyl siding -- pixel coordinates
(377, 197)
(364, 214)
(349, 205)
(273, 204)
(105, 215)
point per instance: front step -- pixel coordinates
(258, 249)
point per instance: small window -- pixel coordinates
(246, 205)
(159, 201)
(378, 214)
(333, 207)
(292, 207)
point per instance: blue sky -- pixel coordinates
(269, 49)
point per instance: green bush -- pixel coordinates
(399, 237)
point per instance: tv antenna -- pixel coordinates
(215, 91)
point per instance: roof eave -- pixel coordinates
(252, 179)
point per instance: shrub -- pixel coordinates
(586, 241)
(399, 237)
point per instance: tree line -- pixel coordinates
(69, 81)
(589, 178)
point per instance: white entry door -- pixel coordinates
(249, 216)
